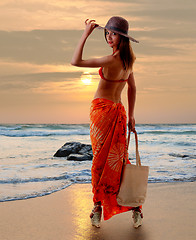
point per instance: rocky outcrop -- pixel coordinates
(75, 151)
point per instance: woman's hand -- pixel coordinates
(90, 26)
(131, 124)
(77, 59)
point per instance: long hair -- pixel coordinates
(126, 52)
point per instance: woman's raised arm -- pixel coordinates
(77, 56)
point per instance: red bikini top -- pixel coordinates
(102, 77)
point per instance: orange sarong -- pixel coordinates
(109, 144)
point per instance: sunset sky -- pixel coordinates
(37, 40)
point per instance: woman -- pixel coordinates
(108, 117)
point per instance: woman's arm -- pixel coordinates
(131, 101)
(77, 56)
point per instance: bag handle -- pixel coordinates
(138, 161)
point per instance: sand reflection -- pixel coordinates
(118, 227)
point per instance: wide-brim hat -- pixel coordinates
(118, 25)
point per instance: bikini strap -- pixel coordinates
(114, 52)
(102, 76)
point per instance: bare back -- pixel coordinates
(112, 88)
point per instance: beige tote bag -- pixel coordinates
(134, 182)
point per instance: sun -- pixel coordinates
(86, 78)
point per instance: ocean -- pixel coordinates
(28, 168)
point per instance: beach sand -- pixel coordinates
(169, 213)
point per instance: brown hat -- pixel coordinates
(118, 25)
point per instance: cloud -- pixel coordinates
(12, 69)
(150, 24)
(55, 47)
(47, 46)
(27, 82)
(38, 46)
(62, 80)
(56, 14)
(38, 37)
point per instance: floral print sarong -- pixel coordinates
(109, 144)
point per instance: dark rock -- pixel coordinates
(79, 157)
(85, 148)
(68, 148)
(75, 151)
(90, 153)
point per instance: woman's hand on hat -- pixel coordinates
(90, 26)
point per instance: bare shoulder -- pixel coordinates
(109, 60)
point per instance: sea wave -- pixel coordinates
(46, 130)
(183, 156)
(44, 134)
(33, 194)
(172, 180)
(80, 180)
(85, 173)
(28, 169)
(170, 132)
(41, 126)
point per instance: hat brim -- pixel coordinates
(123, 34)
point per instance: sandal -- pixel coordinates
(96, 216)
(137, 217)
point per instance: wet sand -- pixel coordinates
(169, 213)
